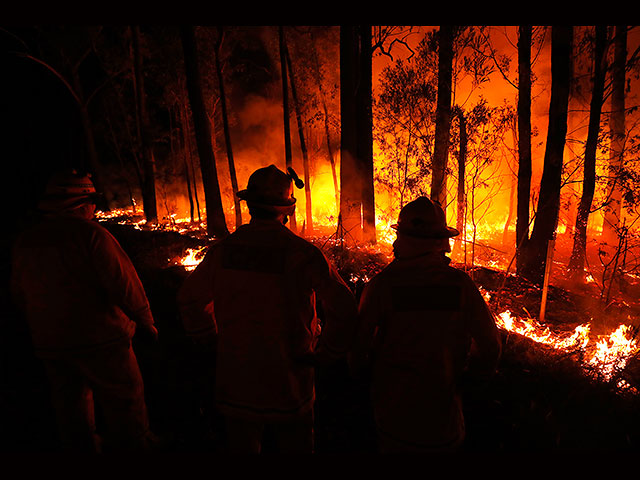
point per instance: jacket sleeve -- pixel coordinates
(195, 300)
(486, 346)
(119, 278)
(339, 307)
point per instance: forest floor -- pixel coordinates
(539, 399)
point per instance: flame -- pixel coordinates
(192, 258)
(602, 359)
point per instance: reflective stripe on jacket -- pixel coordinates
(76, 286)
(418, 318)
(263, 282)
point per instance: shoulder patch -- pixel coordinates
(253, 258)
(409, 298)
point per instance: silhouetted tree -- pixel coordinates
(350, 173)
(148, 182)
(216, 224)
(443, 116)
(577, 261)
(303, 145)
(613, 209)
(227, 131)
(524, 144)
(549, 199)
(285, 112)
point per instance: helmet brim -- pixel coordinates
(249, 196)
(447, 233)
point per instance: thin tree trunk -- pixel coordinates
(216, 224)
(148, 163)
(617, 128)
(227, 131)
(549, 199)
(325, 111)
(578, 254)
(512, 192)
(303, 145)
(181, 142)
(462, 161)
(443, 116)
(186, 133)
(118, 152)
(285, 112)
(524, 145)
(94, 163)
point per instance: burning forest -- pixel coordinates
(526, 136)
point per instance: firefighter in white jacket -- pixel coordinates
(256, 293)
(419, 320)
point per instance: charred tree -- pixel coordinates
(613, 209)
(227, 131)
(578, 254)
(216, 224)
(189, 164)
(303, 145)
(443, 116)
(148, 163)
(350, 174)
(72, 81)
(285, 112)
(365, 134)
(549, 199)
(524, 144)
(462, 161)
(357, 198)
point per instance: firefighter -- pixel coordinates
(419, 319)
(83, 302)
(257, 292)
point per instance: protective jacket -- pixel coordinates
(258, 288)
(76, 286)
(418, 319)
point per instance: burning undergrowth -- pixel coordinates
(571, 382)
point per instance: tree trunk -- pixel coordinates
(524, 145)
(617, 128)
(549, 199)
(462, 161)
(285, 112)
(350, 217)
(513, 188)
(365, 134)
(148, 162)
(578, 254)
(227, 132)
(303, 145)
(94, 164)
(216, 224)
(186, 133)
(443, 116)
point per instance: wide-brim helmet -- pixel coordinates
(68, 189)
(423, 218)
(270, 188)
